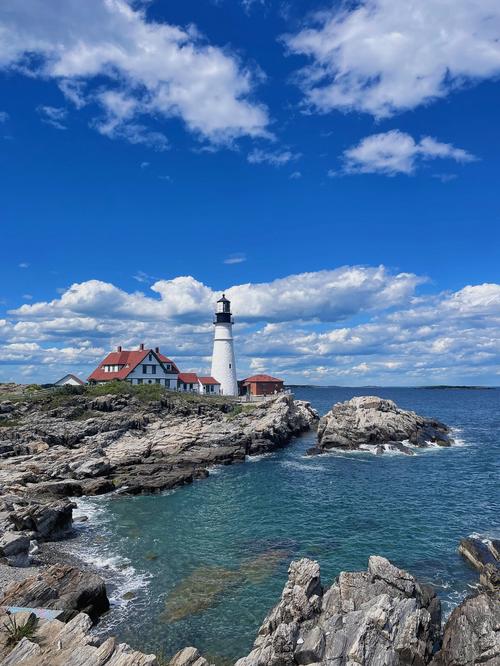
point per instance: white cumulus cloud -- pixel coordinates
(383, 56)
(143, 67)
(396, 152)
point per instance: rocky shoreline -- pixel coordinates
(379, 616)
(77, 444)
(72, 444)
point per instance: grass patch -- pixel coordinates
(9, 423)
(240, 409)
(16, 632)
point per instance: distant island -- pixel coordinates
(462, 388)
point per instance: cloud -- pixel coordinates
(23, 264)
(144, 68)
(328, 295)
(237, 258)
(295, 175)
(445, 177)
(141, 276)
(351, 325)
(144, 165)
(396, 152)
(54, 116)
(4, 116)
(276, 158)
(383, 57)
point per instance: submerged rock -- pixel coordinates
(198, 592)
(382, 616)
(372, 423)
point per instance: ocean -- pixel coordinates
(202, 565)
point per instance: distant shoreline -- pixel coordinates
(431, 387)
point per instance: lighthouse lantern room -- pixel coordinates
(223, 362)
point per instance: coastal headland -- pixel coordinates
(120, 439)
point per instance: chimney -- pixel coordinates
(119, 348)
(157, 350)
(141, 346)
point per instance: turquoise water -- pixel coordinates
(203, 564)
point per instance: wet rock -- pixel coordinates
(60, 587)
(381, 616)
(483, 555)
(370, 421)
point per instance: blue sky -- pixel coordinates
(333, 166)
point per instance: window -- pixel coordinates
(149, 381)
(150, 358)
(230, 365)
(139, 381)
(153, 369)
(168, 366)
(158, 381)
(144, 369)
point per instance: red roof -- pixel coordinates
(164, 359)
(129, 360)
(188, 378)
(208, 380)
(261, 378)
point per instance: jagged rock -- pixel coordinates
(372, 423)
(91, 468)
(188, 657)
(382, 616)
(483, 554)
(60, 587)
(472, 633)
(14, 548)
(55, 643)
(48, 521)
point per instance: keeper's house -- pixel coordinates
(142, 366)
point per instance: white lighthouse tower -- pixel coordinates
(223, 365)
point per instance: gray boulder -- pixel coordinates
(14, 548)
(381, 616)
(472, 633)
(378, 425)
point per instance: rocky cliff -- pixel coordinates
(377, 425)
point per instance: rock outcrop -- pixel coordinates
(472, 633)
(381, 616)
(60, 587)
(377, 425)
(54, 643)
(484, 555)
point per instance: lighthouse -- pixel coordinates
(223, 365)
